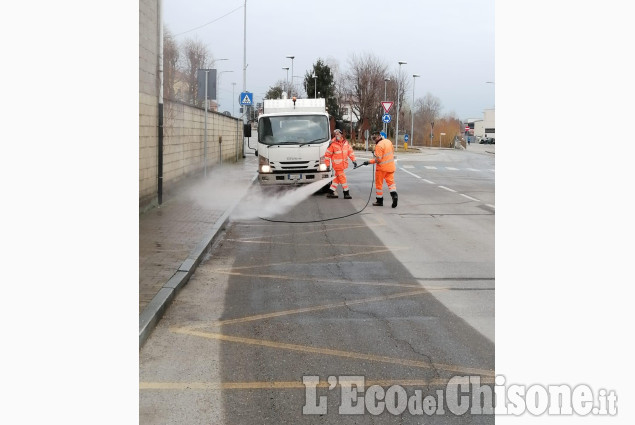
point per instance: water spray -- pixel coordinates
(332, 218)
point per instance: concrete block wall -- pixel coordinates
(184, 141)
(148, 99)
(183, 126)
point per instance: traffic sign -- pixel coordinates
(246, 98)
(386, 118)
(387, 105)
(406, 138)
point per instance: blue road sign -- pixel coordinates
(246, 98)
(385, 118)
(383, 134)
(406, 137)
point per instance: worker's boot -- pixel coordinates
(379, 203)
(347, 195)
(394, 199)
(332, 194)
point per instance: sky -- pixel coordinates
(449, 43)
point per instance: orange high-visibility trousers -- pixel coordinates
(340, 178)
(380, 176)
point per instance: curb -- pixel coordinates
(153, 312)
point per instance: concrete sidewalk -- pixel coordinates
(174, 237)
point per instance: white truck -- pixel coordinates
(293, 135)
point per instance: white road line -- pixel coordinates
(408, 166)
(490, 205)
(412, 174)
(452, 168)
(430, 167)
(469, 197)
(427, 181)
(448, 189)
(472, 169)
(491, 170)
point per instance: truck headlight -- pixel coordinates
(265, 169)
(322, 167)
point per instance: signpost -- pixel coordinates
(387, 106)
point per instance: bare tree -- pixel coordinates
(196, 56)
(171, 56)
(366, 80)
(427, 111)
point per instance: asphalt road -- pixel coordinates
(397, 296)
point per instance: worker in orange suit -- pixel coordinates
(384, 157)
(338, 153)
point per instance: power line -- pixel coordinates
(211, 22)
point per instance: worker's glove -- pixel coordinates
(355, 164)
(365, 163)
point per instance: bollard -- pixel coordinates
(405, 146)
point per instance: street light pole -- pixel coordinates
(233, 97)
(218, 89)
(291, 57)
(286, 86)
(205, 138)
(398, 88)
(315, 85)
(412, 109)
(385, 81)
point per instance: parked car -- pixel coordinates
(487, 141)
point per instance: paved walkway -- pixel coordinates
(174, 237)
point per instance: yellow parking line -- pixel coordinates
(317, 279)
(310, 309)
(336, 353)
(316, 260)
(305, 233)
(317, 244)
(293, 384)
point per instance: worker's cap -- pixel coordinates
(337, 130)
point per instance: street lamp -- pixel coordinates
(291, 57)
(398, 88)
(218, 88)
(412, 109)
(286, 86)
(315, 85)
(233, 97)
(385, 81)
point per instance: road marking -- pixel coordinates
(288, 385)
(412, 174)
(490, 205)
(469, 197)
(344, 227)
(472, 169)
(316, 279)
(491, 170)
(408, 166)
(335, 353)
(316, 260)
(430, 167)
(310, 244)
(310, 309)
(451, 168)
(448, 189)
(428, 181)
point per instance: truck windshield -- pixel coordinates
(294, 129)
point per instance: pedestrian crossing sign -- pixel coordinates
(246, 98)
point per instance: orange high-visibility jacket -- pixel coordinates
(337, 152)
(384, 156)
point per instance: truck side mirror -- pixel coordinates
(247, 130)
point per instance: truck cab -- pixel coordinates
(293, 135)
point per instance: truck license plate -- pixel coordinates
(295, 176)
